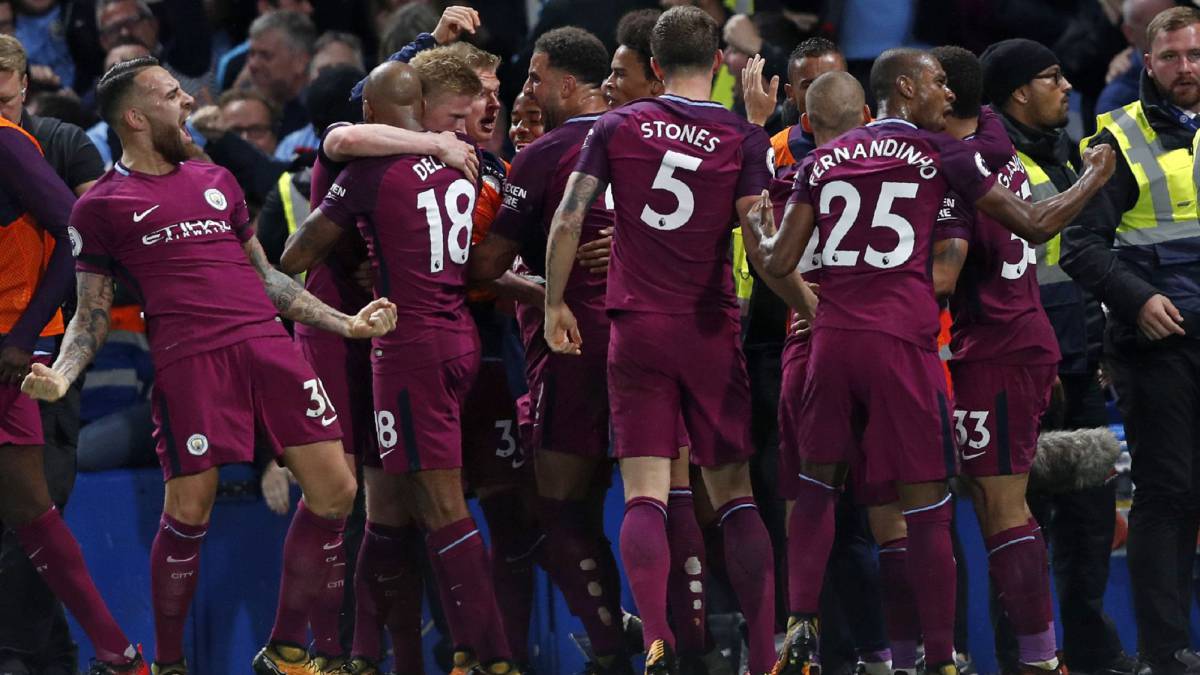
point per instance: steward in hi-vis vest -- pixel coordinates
(1139, 253)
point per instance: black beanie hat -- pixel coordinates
(328, 97)
(1010, 64)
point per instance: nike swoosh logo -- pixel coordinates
(330, 547)
(384, 580)
(137, 217)
(181, 560)
(34, 554)
(385, 454)
(970, 457)
(326, 422)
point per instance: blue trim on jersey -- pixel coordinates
(121, 168)
(688, 101)
(583, 118)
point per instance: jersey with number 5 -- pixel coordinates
(997, 306)
(416, 215)
(876, 192)
(676, 168)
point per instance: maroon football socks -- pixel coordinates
(931, 572)
(174, 573)
(388, 589)
(685, 586)
(899, 605)
(647, 558)
(465, 578)
(56, 556)
(312, 550)
(810, 539)
(750, 561)
(1017, 567)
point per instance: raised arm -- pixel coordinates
(297, 304)
(310, 243)
(790, 287)
(346, 142)
(85, 334)
(1037, 223)
(562, 334)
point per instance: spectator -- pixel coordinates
(281, 48)
(332, 49)
(1125, 71)
(104, 138)
(232, 62)
(8, 18)
(189, 55)
(40, 30)
(406, 25)
(250, 115)
(62, 105)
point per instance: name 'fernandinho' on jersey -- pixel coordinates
(877, 148)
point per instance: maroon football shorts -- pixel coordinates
(570, 394)
(20, 421)
(795, 363)
(418, 414)
(344, 367)
(493, 452)
(661, 366)
(998, 409)
(211, 407)
(878, 403)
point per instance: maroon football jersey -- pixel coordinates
(416, 215)
(676, 168)
(532, 191)
(876, 192)
(176, 240)
(996, 306)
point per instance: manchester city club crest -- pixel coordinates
(215, 199)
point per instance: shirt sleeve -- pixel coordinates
(954, 220)
(239, 214)
(757, 165)
(349, 196)
(801, 192)
(964, 168)
(407, 52)
(88, 226)
(84, 163)
(523, 195)
(593, 156)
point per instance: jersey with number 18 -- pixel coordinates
(416, 215)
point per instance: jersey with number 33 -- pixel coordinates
(876, 192)
(416, 215)
(676, 167)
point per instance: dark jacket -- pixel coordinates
(1087, 253)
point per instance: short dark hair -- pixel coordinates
(685, 38)
(115, 85)
(964, 77)
(813, 47)
(633, 33)
(576, 51)
(297, 29)
(890, 65)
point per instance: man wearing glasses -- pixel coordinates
(1139, 254)
(188, 55)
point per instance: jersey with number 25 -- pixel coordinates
(416, 215)
(676, 167)
(876, 192)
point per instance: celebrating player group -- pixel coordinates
(602, 253)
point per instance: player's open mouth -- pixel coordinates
(187, 135)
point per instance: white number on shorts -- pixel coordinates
(457, 244)
(385, 429)
(665, 180)
(318, 398)
(1017, 270)
(508, 443)
(883, 217)
(979, 417)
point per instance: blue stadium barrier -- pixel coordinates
(115, 515)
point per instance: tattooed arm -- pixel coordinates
(562, 334)
(310, 243)
(948, 258)
(85, 334)
(297, 304)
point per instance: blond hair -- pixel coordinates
(476, 57)
(442, 70)
(1170, 20)
(12, 55)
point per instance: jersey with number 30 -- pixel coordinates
(676, 168)
(416, 215)
(876, 192)
(997, 307)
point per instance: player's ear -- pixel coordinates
(906, 86)
(658, 71)
(718, 59)
(804, 123)
(134, 119)
(787, 89)
(867, 119)
(567, 85)
(657, 87)
(368, 113)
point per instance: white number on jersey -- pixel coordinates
(456, 245)
(883, 217)
(979, 417)
(1017, 270)
(665, 180)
